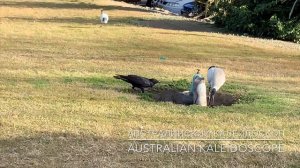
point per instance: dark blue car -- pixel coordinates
(190, 8)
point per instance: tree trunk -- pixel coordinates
(148, 3)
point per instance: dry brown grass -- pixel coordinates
(59, 105)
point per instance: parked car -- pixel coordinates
(173, 6)
(159, 2)
(155, 3)
(191, 9)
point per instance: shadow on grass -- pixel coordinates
(183, 25)
(55, 5)
(79, 20)
(47, 149)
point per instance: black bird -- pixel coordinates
(138, 81)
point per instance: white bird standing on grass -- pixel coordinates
(103, 17)
(199, 91)
(216, 78)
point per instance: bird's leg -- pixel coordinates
(142, 89)
(209, 99)
(195, 97)
(212, 97)
(213, 101)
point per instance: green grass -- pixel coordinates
(40, 83)
(60, 105)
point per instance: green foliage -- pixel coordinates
(267, 18)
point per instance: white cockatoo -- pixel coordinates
(216, 79)
(103, 17)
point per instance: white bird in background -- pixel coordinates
(103, 17)
(216, 78)
(199, 91)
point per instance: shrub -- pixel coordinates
(266, 18)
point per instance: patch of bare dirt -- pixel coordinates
(221, 99)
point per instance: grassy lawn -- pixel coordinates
(60, 105)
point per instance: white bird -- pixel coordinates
(199, 91)
(103, 17)
(216, 78)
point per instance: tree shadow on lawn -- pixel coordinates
(54, 5)
(183, 25)
(170, 24)
(166, 24)
(77, 20)
(47, 149)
